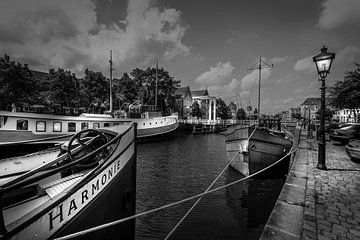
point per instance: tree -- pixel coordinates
(64, 88)
(146, 80)
(196, 110)
(94, 90)
(328, 114)
(127, 90)
(255, 113)
(222, 110)
(240, 114)
(17, 83)
(346, 93)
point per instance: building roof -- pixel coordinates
(314, 101)
(38, 74)
(199, 93)
(182, 91)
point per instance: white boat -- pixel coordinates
(254, 148)
(90, 181)
(32, 130)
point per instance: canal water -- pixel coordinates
(171, 170)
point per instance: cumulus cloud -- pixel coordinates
(252, 79)
(337, 13)
(67, 34)
(305, 64)
(277, 60)
(347, 53)
(216, 75)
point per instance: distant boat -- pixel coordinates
(253, 154)
(34, 131)
(251, 149)
(90, 181)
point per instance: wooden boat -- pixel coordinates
(88, 182)
(203, 128)
(254, 149)
(34, 131)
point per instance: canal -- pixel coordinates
(171, 170)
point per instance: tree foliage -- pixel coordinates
(17, 83)
(222, 110)
(346, 93)
(240, 114)
(64, 88)
(94, 91)
(196, 112)
(328, 114)
(145, 82)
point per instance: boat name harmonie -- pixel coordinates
(70, 206)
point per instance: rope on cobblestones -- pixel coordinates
(106, 225)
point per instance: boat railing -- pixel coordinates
(29, 177)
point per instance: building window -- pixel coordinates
(96, 125)
(84, 126)
(57, 127)
(40, 126)
(22, 124)
(71, 127)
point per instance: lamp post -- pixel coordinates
(323, 63)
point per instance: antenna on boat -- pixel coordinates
(156, 84)
(259, 65)
(111, 78)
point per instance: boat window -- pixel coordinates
(115, 124)
(96, 125)
(106, 124)
(57, 127)
(84, 126)
(155, 122)
(71, 127)
(144, 124)
(22, 124)
(40, 126)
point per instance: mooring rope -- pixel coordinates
(199, 199)
(210, 186)
(99, 227)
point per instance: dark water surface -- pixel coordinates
(171, 170)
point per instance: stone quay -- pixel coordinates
(317, 204)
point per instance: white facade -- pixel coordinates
(346, 115)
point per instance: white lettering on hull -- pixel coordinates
(57, 217)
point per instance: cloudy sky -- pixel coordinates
(204, 43)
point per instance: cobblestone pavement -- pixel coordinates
(332, 204)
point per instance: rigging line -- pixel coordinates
(210, 186)
(199, 199)
(105, 225)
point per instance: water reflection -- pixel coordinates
(175, 169)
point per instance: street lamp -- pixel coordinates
(323, 64)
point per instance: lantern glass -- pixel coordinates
(323, 65)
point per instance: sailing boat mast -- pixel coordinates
(156, 84)
(111, 78)
(259, 65)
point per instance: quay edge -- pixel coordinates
(286, 218)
